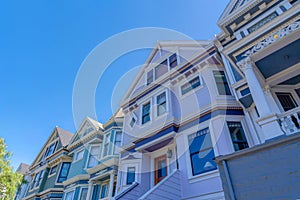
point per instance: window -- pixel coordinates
(149, 77)
(53, 170)
(78, 155)
(130, 175)
(103, 191)
(245, 91)
(106, 145)
(50, 150)
(173, 60)
(132, 122)
(192, 84)
(161, 69)
(37, 179)
(161, 104)
(63, 172)
(69, 195)
(146, 113)
(222, 84)
(286, 100)
(117, 144)
(237, 135)
(93, 156)
(201, 152)
(83, 194)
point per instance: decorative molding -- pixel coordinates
(273, 38)
(245, 64)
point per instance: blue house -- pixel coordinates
(94, 148)
(50, 168)
(179, 114)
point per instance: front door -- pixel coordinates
(161, 170)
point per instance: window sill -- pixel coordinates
(75, 161)
(50, 175)
(204, 176)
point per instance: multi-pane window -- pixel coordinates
(103, 191)
(53, 170)
(50, 150)
(161, 69)
(146, 113)
(173, 60)
(286, 100)
(83, 194)
(201, 152)
(37, 179)
(161, 104)
(69, 195)
(222, 84)
(117, 142)
(78, 155)
(149, 77)
(63, 172)
(130, 175)
(106, 145)
(192, 84)
(237, 135)
(94, 156)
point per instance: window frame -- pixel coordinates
(80, 192)
(53, 173)
(46, 154)
(217, 83)
(165, 102)
(75, 158)
(89, 155)
(106, 142)
(190, 163)
(106, 190)
(230, 134)
(134, 175)
(60, 171)
(187, 81)
(115, 137)
(67, 192)
(142, 115)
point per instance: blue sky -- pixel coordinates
(43, 44)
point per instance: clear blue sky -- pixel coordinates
(43, 44)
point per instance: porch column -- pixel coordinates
(268, 120)
(90, 190)
(111, 185)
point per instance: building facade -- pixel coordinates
(260, 48)
(49, 169)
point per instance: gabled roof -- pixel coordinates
(159, 46)
(64, 138)
(87, 123)
(231, 7)
(23, 168)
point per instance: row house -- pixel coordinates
(259, 45)
(94, 149)
(179, 114)
(48, 171)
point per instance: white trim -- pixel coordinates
(156, 104)
(68, 191)
(150, 112)
(89, 152)
(80, 191)
(50, 175)
(187, 80)
(76, 155)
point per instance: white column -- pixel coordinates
(90, 189)
(257, 92)
(111, 185)
(268, 119)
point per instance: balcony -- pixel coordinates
(290, 121)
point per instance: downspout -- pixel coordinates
(228, 180)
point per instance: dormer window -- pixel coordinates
(161, 69)
(50, 150)
(150, 77)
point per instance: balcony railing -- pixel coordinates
(290, 121)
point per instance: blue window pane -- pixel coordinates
(203, 162)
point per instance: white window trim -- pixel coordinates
(107, 189)
(80, 191)
(68, 191)
(125, 167)
(50, 175)
(127, 175)
(55, 148)
(249, 141)
(156, 104)
(132, 115)
(76, 154)
(284, 90)
(103, 145)
(88, 155)
(188, 80)
(216, 86)
(113, 144)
